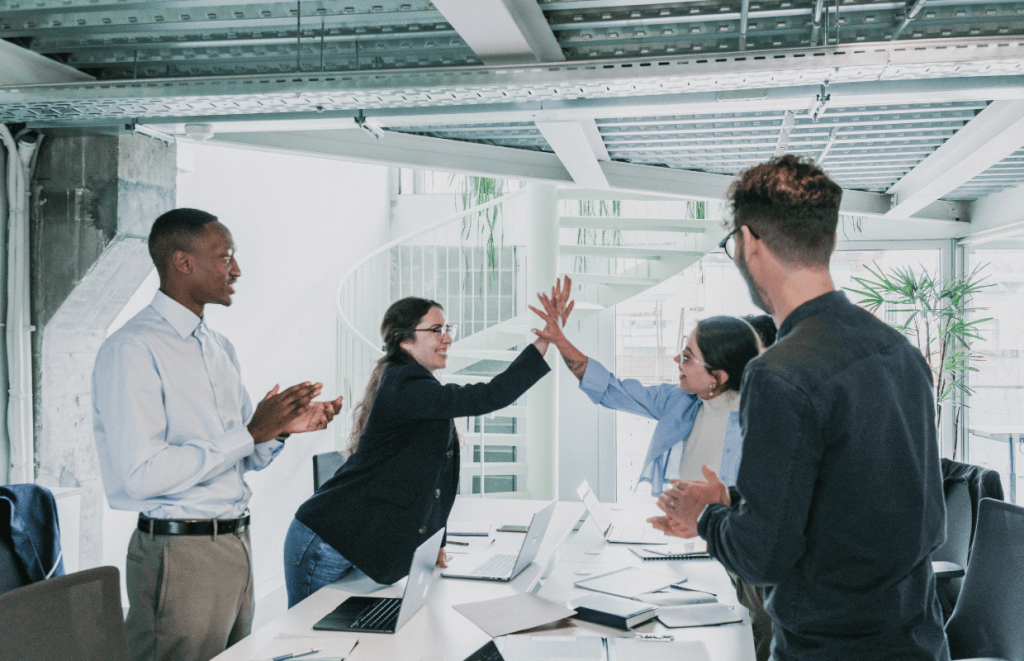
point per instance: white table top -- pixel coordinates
(439, 632)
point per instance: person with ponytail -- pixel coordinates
(398, 485)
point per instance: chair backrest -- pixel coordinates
(325, 465)
(988, 618)
(76, 617)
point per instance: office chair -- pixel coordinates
(988, 618)
(325, 465)
(11, 576)
(950, 559)
(76, 617)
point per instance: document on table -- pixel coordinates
(627, 582)
(335, 648)
(498, 617)
(635, 649)
(698, 615)
(552, 648)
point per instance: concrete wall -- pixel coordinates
(94, 197)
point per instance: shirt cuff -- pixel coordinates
(240, 444)
(595, 380)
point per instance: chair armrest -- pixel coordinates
(946, 570)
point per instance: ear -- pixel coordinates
(751, 246)
(721, 377)
(182, 262)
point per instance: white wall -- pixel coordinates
(299, 223)
(1003, 208)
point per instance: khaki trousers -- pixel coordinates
(752, 596)
(190, 597)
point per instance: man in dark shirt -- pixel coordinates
(839, 489)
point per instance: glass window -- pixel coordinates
(995, 419)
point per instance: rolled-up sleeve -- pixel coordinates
(628, 395)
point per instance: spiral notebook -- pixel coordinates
(695, 550)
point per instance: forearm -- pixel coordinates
(574, 359)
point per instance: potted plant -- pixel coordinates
(937, 317)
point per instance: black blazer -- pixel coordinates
(399, 487)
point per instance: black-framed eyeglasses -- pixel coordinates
(728, 244)
(438, 331)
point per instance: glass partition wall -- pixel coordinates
(995, 418)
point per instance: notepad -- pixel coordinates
(469, 528)
(552, 648)
(698, 615)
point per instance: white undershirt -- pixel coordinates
(707, 439)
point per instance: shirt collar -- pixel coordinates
(181, 319)
(811, 308)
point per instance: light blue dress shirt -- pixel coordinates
(169, 416)
(675, 411)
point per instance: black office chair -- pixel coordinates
(988, 619)
(325, 465)
(76, 617)
(11, 575)
(950, 560)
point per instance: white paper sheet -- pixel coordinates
(498, 617)
(331, 647)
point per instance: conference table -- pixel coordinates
(571, 551)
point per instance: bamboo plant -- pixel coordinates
(937, 318)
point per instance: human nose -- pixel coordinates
(235, 271)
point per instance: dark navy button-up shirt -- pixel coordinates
(841, 490)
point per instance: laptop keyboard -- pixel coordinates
(383, 615)
(498, 565)
(488, 652)
(627, 532)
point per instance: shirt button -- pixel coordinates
(423, 530)
(437, 493)
(450, 454)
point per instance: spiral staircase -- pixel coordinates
(483, 265)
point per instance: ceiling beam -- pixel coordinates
(995, 133)
(503, 31)
(20, 66)
(573, 147)
(396, 149)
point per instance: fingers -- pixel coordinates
(710, 475)
(273, 391)
(568, 310)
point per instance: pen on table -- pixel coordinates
(452, 541)
(293, 655)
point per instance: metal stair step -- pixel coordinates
(598, 279)
(633, 224)
(626, 252)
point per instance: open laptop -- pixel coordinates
(640, 533)
(505, 567)
(387, 615)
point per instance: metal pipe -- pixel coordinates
(816, 21)
(744, 16)
(911, 15)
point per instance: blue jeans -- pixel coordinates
(309, 563)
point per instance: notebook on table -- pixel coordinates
(505, 566)
(387, 615)
(639, 533)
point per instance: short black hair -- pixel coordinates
(792, 205)
(727, 343)
(176, 230)
(764, 324)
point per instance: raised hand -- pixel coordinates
(670, 526)
(560, 294)
(278, 410)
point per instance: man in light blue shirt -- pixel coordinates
(176, 432)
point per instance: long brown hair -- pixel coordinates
(399, 325)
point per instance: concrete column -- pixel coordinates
(93, 201)
(542, 399)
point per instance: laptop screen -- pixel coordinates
(420, 575)
(595, 507)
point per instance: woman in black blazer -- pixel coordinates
(398, 486)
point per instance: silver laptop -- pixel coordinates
(639, 533)
(505, 567)
(384, 615)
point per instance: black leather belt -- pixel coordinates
(212, 527)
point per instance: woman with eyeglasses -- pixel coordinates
(398, 485)
(698, 420)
